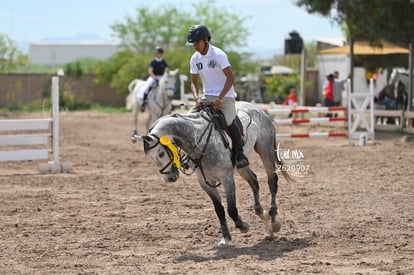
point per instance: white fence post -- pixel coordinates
(184, 100)
(371, 108)
(349, 110)
(361, 101)
(55, 120)
(55, 166)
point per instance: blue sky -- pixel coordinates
(270, 21)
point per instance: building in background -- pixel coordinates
(55, 54)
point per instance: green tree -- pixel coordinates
(167, 27)
(277, 87)
(368, 20)
(371, 20)
(8, 53)
(163, 26)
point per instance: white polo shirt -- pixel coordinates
(210, 68)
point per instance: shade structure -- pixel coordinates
(279, 70)
(381, 47)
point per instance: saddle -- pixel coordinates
(152, 87)
(242, 120)
(146, 94)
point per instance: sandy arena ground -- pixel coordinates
(351, 213)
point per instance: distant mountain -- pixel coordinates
(259, 52)
(77, 37)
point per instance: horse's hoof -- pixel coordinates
(276, 226)
(224, 242)
(264, 217)
(244, 228)
(133, 139)
(270, 237)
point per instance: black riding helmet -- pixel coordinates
(159, 50)
(197, 33)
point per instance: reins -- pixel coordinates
(197, 162)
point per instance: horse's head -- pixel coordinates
(164, 154)
(167, 82)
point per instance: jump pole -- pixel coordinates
(312, 120)
(55, 166)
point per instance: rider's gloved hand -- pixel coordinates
(198, 103)
(217, 103)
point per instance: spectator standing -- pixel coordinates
(338, 88)
(291, 99)
(328, 100)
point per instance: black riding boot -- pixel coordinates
(144, 101)
(235, 133)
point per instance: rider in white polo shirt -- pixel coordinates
(214, 69)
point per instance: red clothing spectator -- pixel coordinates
(329, 91)
(291, 98)
(328, 97)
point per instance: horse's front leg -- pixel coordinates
(150, 120)
(219, 209)
(230, 189)
(135, 123)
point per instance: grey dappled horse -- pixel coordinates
(189, 142)
(159, 100)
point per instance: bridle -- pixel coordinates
(179, 162)
(171, 150)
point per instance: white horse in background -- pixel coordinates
(158, 102)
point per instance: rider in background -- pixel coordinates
(214, 68)
(156, 69)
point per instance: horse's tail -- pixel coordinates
(132, 87)
(280, 163)
(288, 177)
(128, 102)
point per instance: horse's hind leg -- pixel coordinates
(268, 159)
(247, 174)
(274, 223)
(272, 180)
